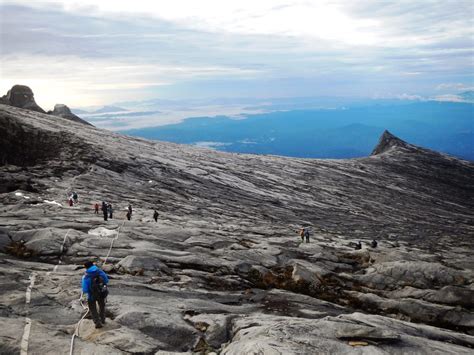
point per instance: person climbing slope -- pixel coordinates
(155, 216)
(306, 235)
(94, 284)
(74, 196)
(96, 208)
(301, 232)
(104, 210)
(110, 209)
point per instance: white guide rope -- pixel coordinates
(26, 331)
(76, 331)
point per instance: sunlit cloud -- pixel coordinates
(454, 86)
(449, 98)
(80, 81)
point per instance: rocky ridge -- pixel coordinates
(223, 270)
(22, 96)
(63, 111)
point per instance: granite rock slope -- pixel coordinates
(224, 270)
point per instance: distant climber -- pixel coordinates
(96, 208)
(110, 209)
(306, 235)
(130, 209)
(301, 232)
(155, 215)
(74, 196)
(71, 203)
(358, 246)
(129, 215)
(373, 244)
(94, 284)
(104, 210)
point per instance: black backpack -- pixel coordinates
(98, 288)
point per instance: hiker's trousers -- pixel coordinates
(99, 317)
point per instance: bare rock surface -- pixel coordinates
(224, 270)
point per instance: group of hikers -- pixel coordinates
(304, 234)
(107, 211)
(106, 208)
(373, 244)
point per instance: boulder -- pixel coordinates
(351, 331)
(424, 275)
(133, 264)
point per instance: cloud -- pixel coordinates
(369, 22)
(211, 145)
(96, 81)
(454, 86)
(93, 52)
(405, 96)
(449, 98)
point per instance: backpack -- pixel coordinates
(98, 288)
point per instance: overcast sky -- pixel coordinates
(92, 52)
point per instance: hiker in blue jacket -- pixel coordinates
(94, 284)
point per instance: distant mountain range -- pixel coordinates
(329, 133)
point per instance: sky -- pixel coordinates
(88, 52)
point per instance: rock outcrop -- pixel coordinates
(63, 111)
(21, 96)
(224, 270)
(388, 141)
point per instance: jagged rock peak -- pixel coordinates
(63, 111)
(21, 96)
(387, 141)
